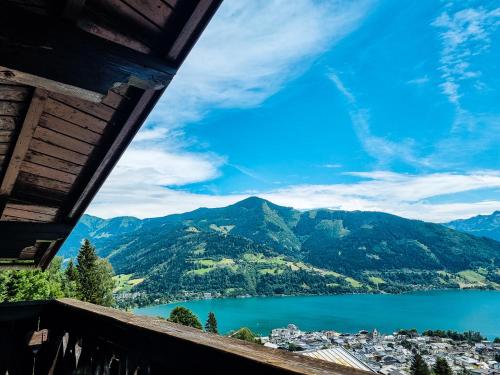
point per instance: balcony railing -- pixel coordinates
(72, 337)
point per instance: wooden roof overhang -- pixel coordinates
(77, 80)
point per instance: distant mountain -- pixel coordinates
(256, 247)
(481, 225)
(97, 229)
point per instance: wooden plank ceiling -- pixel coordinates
(77, 80)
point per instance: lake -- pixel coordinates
(456, 310)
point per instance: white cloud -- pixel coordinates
(400, 194)
(246, 54)
(249, 50)
(157, 167)
(381, 149)
(418, 81)
(464, 34)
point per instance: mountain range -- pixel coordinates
(481, 225)
(259, 248)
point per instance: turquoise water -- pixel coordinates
(455, 310)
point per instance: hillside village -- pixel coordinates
(389, 354)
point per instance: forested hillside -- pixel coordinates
(257, 247)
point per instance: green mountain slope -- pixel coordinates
(481, 225)
(257, 247)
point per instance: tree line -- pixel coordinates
(90, 279)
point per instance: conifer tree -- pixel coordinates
(418, 366)
(211, 324)
(441, 367)
(95, 277)
(70, 272)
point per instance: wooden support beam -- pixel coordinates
(197, 21)
(23, 141)
(112, 152)
(62, 58)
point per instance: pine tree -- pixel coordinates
(211, 324)
(184, 316)
(418, 366)
(95, 277)
(71, 272)
(441, 367)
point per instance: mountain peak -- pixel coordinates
(252, 202)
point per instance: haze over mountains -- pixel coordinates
(257, 247)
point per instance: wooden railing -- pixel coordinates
(72, 337)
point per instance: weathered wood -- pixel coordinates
(58, 152)
(38, 337)
(125, 14)
(49, 161)
(75, 116)
(71, 57)
(63, 127)
(28, 215)
(100, 111)
(51, 251)
(4, 148)
(52, 211)
(151, 338)
(23, 140)
(14, 93)
(113, 100)
(154, 10)
(5, 136)
(62, 140)
(9, 108)
(109, 33)
(44, 182)
(203, 10)
(8, 122)
(41, 170)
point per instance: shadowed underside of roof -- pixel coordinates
(77, 80)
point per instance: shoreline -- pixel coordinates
(317, 295)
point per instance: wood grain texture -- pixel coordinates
(61, 140)
(154, 10)
(23, 215)
(41, 170)
(52, 162)
(72, 57)
(189, 29)
(8, 108)
(14, 93)
(58, 152)
(100, 111)
(67, 128)
(23, 140)
(47, 183)
(8, 122)
(75, 116)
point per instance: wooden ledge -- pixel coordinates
(274, 360)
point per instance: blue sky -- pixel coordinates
(370, 105)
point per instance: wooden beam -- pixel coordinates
(112, 152)
(192, 29)
(51, 251)
(23, 141)
(62, 58)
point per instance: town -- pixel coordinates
(393, 354)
